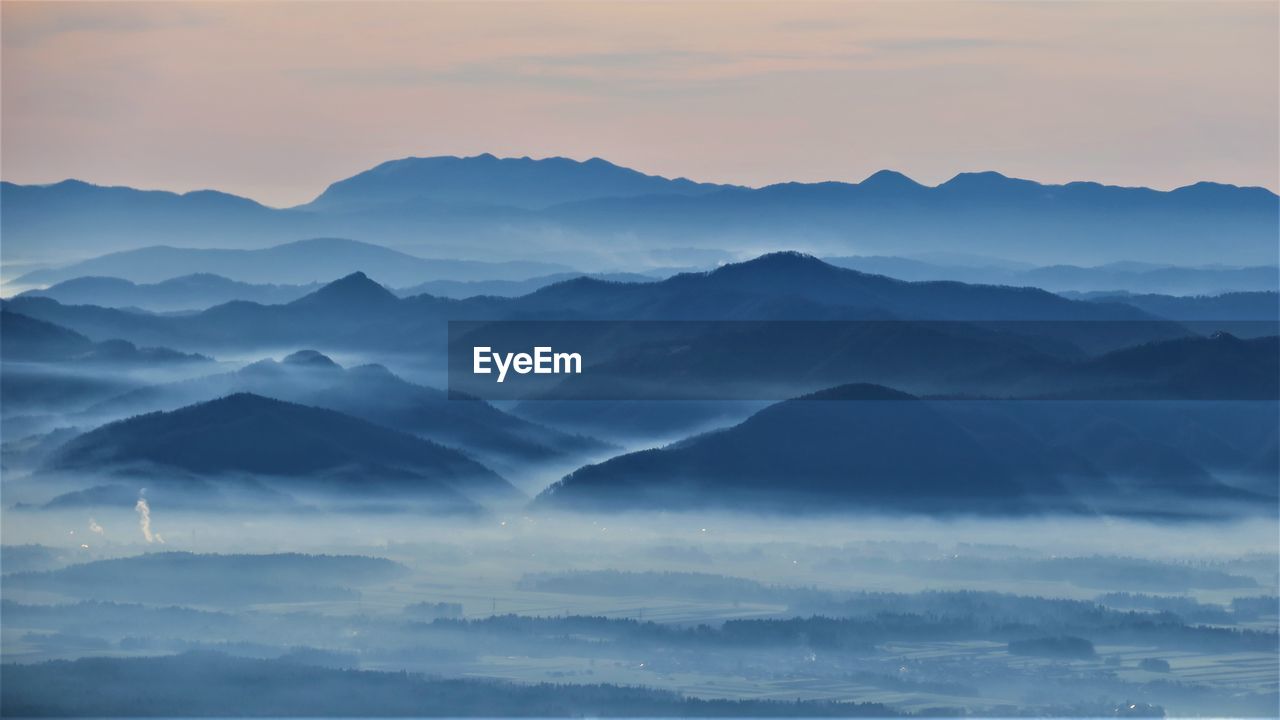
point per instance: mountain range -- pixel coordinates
(326, 259)
(359, 314)
(1130, 277)
(594, 212)
(1188, 419)
(1260, 306)
(29, 339)
(299, 262)
(487, 180)
(762, 361)
(184, 293)
(372, 393)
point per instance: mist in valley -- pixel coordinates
(907, 612)
(328, 515)
(919, 360)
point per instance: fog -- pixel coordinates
(953, 613)
(316, 517)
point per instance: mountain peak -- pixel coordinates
(354, 289)
(981, 179)
(280, 439)
(781, 261)
(889, 180)
(311, 359)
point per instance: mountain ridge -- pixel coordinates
(857, 446)
(299, 261)
(279, 439)
(515, 205)
(527, 183)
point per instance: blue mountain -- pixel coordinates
(249, 436)
(30, 339)
(373, 393)
(298, 262)
(485, 180)
(869, 447)
(981, 213)
(72, 219)
(187, 292)
(520, 208)
(1110, 278)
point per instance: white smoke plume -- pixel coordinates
(144, 521)
(95, 528)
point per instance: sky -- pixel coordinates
(275, 101)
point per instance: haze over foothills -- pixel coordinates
(263, 101)
(928, 359)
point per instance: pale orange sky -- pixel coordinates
(274, 101)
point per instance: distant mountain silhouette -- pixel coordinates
(983, 213)
(736, 291)
(26, 338)
(300, 262)
(870, 447)
(1113, 278)
(48, 222)
(488, 180)
(354, 313)
(204, 290)
(1136, 277)
(511, 288)
(373, 393)
(520, 208)
(187, 292)
(1243, 306)
(245, 435)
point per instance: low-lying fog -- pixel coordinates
(883, 614)
(333, 531)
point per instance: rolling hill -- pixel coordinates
(29, 339)
(373, 393)
(844, 448)
(867, 447)
(293, 446)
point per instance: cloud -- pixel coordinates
(29, 24)
(938, 44)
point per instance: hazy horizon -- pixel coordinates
(583, 159)
(639, 359)
(264, 102)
